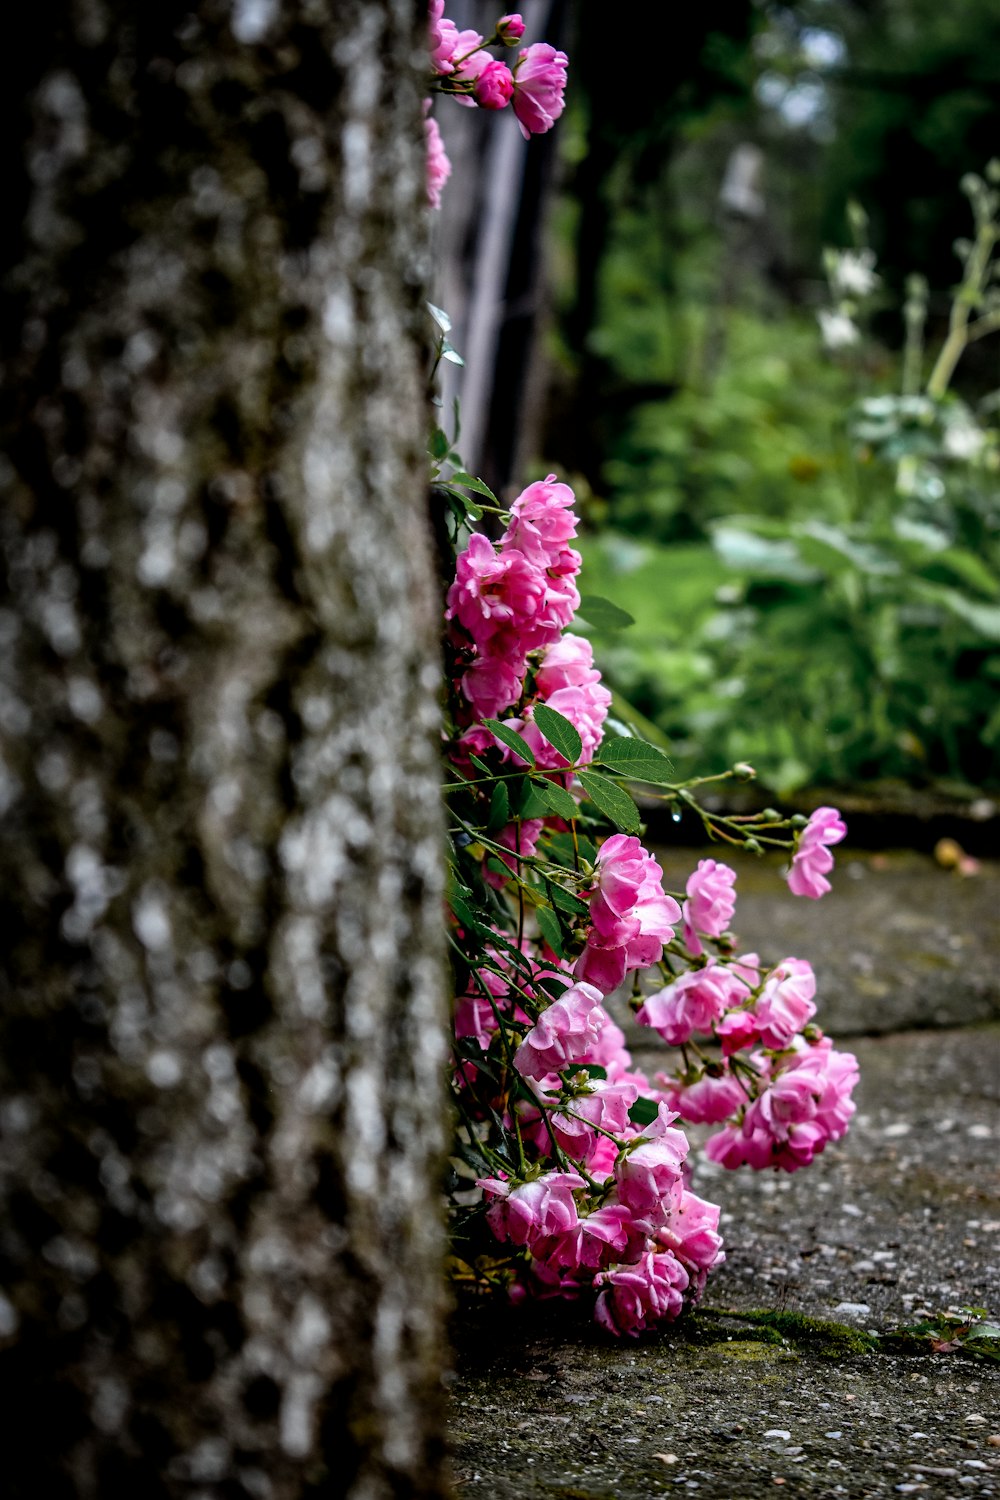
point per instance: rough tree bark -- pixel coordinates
(220, 856)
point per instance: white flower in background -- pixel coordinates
(852, 272)
(963, 439)
(838, 330)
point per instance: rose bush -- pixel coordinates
(569, 1175)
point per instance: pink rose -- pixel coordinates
(635, 1296)
(494, 85)
(812, 860)
(569, 662)
(805, 1101)
(785, 1003)
(612, 1233)
(630, 913)
(709, 1101)
(452, 49)
(736, 1031)
(532, 1213)
(492, 684)
(510, 29)
(649, 1176)
(474, 1016)
(438, 165)
(691, 1232)
(542, 521)
(694, 1002)
(710, 904)
(494, 591)
(539, 82)
(603, 1104)
(565, 1032)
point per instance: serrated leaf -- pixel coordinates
(643, 1111)
(603, 614)
(481, 766)
(636, 759)
(470, 482)
(511, 739)
(548, 926)
(532, 803)
(558, 799)
(560, 733)
(611, 800)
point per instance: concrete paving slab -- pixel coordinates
(898, 1220)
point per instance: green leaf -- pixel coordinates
(439, 443)
(481, 767)
(499, 808)
(637, 760)
(563, 852)
(603, 614)
(983, 618)
(467, 507)
(440, 317)
(643, 1111)
(832, 550)
(611, 800)
(470, 482)
(468, 918)
(560, 733)
(971, 569)
(744, 550)
(511, 739)
(557, 798)
(565, 900)
(548, 926)
(532, 803)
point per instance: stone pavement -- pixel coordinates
(898, 1221)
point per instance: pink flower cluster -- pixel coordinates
(639, 1235)
(812, 860)
(631, 916)
(516, 597)
(780, 1105)
(464, 68)
(468, 71)
(598, 1200)
(804, 1101)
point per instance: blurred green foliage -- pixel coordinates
(839, 620)
(804, 520)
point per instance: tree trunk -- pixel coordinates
(220, 855)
